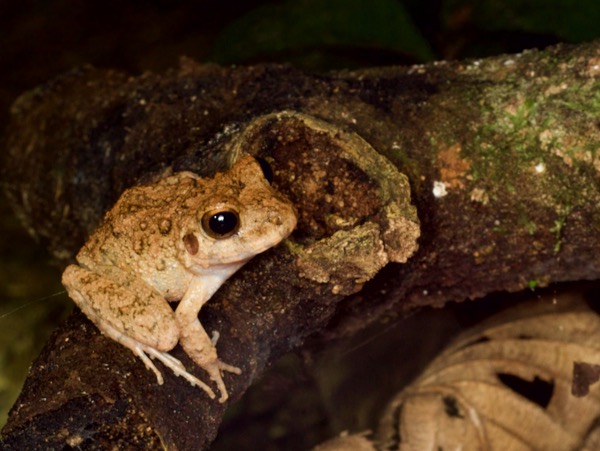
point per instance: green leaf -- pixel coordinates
(303, 26)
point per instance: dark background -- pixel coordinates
(42, 39)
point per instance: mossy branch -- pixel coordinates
(496, 179)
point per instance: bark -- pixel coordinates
(414, 186)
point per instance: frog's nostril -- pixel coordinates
(275, 220)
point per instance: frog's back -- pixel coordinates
(141, 231)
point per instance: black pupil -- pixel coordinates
(223, 223)
(266, 169)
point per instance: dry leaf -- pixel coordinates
(505, 385)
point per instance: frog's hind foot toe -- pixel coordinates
(176, 366)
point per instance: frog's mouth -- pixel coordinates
(221, 263)
(221, 270)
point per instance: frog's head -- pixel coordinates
(240, 216)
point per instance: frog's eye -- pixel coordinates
(220, 224)
(266, 169)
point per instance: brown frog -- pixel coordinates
(178, 239)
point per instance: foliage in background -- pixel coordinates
(332, 34)
(284, 31)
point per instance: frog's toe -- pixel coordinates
(142, 355)
(215, 371)
(178, 369)
(229, 368)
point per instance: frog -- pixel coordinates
(177, 239)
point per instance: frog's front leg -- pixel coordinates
(194, 339)
(130, 312)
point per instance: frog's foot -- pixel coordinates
(216, 367)
(215, 371)
(222, 365)
(143, 351)
(175, 365)
(202, 350)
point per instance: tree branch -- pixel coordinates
(490, 166)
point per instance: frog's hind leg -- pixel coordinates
(131, 313)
